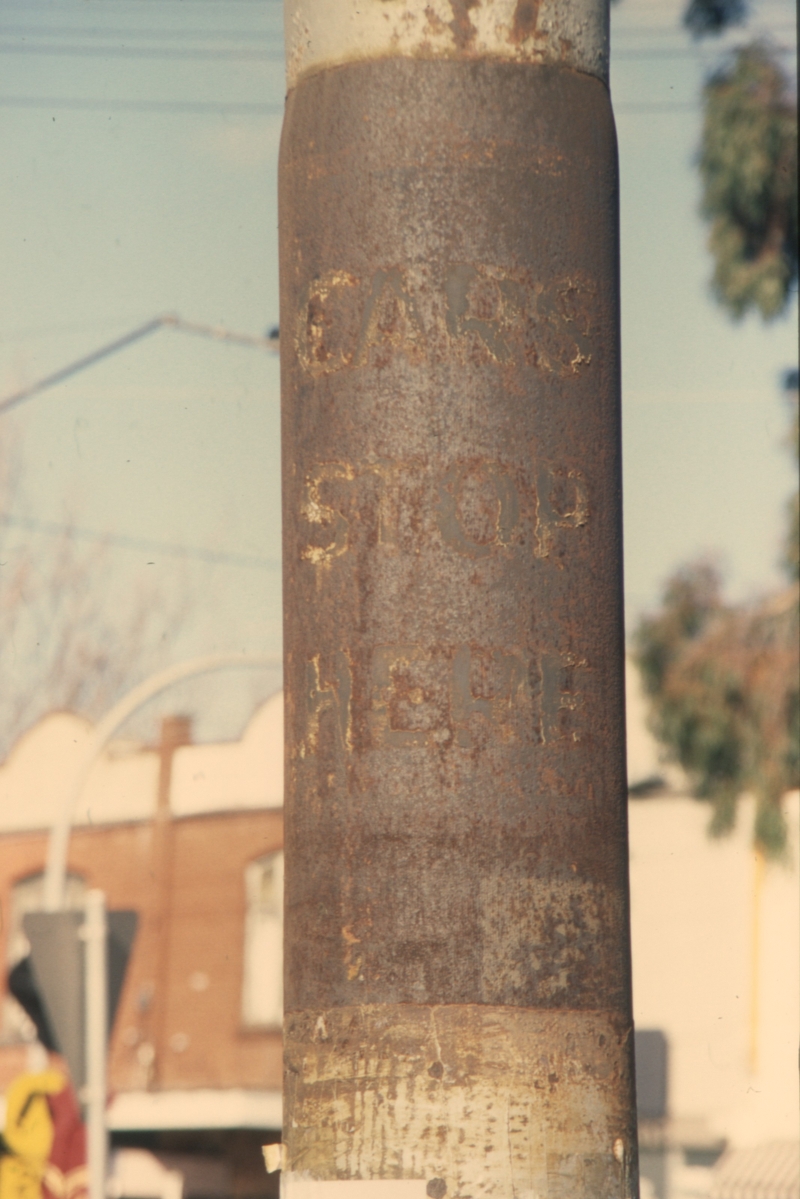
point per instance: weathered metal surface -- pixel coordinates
(455, 785)
(486, 1100)
(325, 33)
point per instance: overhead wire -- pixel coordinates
(201, 108)
(31, 332)
(139, 34)
(166, 53)
(124, 541)
(46, 6)
(165, 321)
(621, 53)
(699, 54)
(246, 53)
(177, 107)
(655, 107)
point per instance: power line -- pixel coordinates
(166, 321)
(244, 35)
(180, 107)
(248, 35)
(167, 53)
(220, 333)
(188, 108)
(67, 371)
(659, 31)
(700, 54)
(33, 331)
(68, 104)
(123, 541)
(704, 55)
(33, 6)
(645, 109)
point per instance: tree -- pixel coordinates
(748, 167)
(713, 16)
(791, 551)
(723, 680)
(67, 638)
(724, 685)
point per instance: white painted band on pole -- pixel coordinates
(296, 1185)
(329, 33)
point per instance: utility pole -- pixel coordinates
(457, 996)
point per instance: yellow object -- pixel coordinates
(28, 1133)
(273, 1157)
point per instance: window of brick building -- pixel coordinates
(27, 895)
(262, 992)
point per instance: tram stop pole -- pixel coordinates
(457, 997)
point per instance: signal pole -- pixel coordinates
(457, 996)
(94, 934)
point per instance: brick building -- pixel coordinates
(190, 836)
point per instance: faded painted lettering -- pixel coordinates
(346, 322)
(328, 692)
(561, 503)
(330, 522)
(410, 697)
(477, 508)
(325, 323)
(446, 695)
(492, 685)
(484, 301)
(390, 321)
(561, 696)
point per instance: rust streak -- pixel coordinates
(461, 26)
(525, 22)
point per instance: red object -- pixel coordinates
(66, 1176)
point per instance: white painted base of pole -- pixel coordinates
(298, 1186)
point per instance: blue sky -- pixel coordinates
(139, 176)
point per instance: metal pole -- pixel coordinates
(457, 993)
(95, 1093)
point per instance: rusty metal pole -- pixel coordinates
(458, 1013)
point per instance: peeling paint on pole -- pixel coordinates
(321, 34)
(457, 959)
(486, 1100)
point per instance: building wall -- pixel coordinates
(716, 967)
(716, 943)
(182, 995)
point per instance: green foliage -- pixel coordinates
(691, 596)
(791, 554)
(725, 692)
(724, 682)
(713, 16)
(791, 551)
(748, 166)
